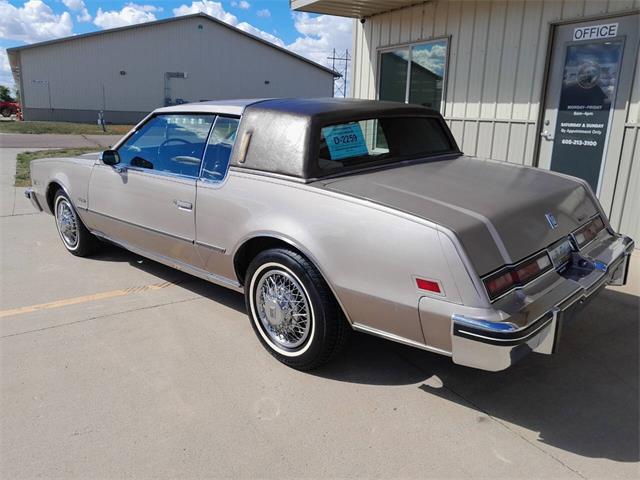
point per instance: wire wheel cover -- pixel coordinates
(67, 223)
(283, 309)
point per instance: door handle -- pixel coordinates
(547, 135)
(186, 206)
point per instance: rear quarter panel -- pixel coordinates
(369, 255)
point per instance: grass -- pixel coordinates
(62, 127)
(23, 172)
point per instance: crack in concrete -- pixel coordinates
(98, 317)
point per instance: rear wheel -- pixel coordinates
(74, 235)
(293, 311)
(6, 112)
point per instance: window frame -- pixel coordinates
(162, 173)
(204, 152)
(409, 47)
(317, 174)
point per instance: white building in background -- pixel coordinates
(127, 72)
(549, 83)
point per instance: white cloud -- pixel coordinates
(242, 4)
(321, 34)
(33, 22)
(263, 13)
(216, 10)
(130, 14)
(6, 78)
(79, 7)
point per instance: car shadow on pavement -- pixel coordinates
(583, 399)
(229, 298)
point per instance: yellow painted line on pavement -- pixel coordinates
(85, 298)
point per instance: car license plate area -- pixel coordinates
(560, 253)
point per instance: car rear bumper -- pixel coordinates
(537, 326)
(31, 195)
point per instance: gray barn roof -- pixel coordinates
(12, 51)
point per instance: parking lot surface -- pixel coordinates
(115, 366)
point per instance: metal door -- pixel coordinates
(587, 92)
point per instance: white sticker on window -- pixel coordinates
(345, 141)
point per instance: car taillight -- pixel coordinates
(517, 276)
(588, 232)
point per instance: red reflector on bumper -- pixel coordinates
(428, 285)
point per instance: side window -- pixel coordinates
(218, 153)
(168, 143)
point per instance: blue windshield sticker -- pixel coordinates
(345, 141)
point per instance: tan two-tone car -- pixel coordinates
(332, 215)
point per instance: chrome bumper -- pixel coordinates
(537, 326)
(31, 195)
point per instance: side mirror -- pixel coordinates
(110, 157)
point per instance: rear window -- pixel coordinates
(377, 141)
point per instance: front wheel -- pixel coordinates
(74, 235)
(293, 311)
(6, 112)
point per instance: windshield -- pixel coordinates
(378, 141)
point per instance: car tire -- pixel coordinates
(293, 311)
(6, 112)
(74, 235)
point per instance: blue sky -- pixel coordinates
(313, 36)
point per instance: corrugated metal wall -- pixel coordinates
(84, 74)
(497, 60)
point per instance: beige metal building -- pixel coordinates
(127, 72)
(547, 83)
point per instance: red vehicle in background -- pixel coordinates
(10, 108)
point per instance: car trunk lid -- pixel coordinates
(500, 212)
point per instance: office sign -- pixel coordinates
(594, 32)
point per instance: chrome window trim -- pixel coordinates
(160, 173)
(206, 145)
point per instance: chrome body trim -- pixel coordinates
(496, 345)
(395, 338)
(149, 229)
(211, 247)
(31, 195)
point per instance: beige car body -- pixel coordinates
(369, 248)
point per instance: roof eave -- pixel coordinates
(172, 19)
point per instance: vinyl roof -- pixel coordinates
(14, 50)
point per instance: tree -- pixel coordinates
(5, 94)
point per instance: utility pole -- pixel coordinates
(340, 64)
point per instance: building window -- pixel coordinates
(414, 74)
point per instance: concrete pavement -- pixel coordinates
(12, 199)
(138, 370)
